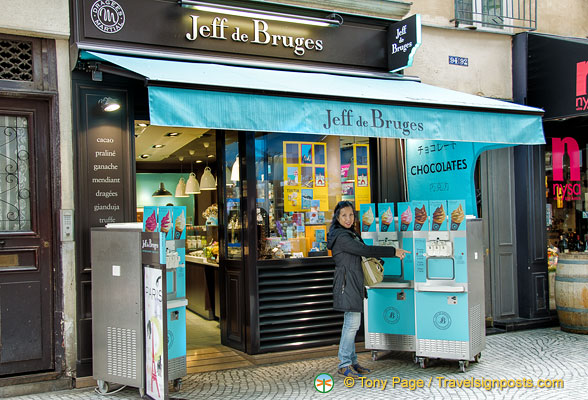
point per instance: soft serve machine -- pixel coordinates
(389, 322)
(444, 278)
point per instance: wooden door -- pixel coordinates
(26, 226)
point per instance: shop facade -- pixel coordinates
(550, 73)
(288, 119)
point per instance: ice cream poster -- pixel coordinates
(456, 215)
(179, 222)
(155, 340)
(367, 217)
(405, 216)
(166, 221)
(386, 214)
(150, 221)
(439, 217)
(421, 215)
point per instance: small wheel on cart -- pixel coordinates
(142, 392)
(103, 386)
(374, 355)
(178, 384)
(423, 362)
(463, 365)
(415, 359)
(477, 357)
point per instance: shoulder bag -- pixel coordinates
(373, 270)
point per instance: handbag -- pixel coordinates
(373, 270)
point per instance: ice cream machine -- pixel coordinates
(439, 310)
(389, 308)
(171, 221)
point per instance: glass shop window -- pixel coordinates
(300, 179)
(566, 194)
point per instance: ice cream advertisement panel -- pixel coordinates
(367, 216)
(421, 215)
(456, 215)
(439, 217)
(405, 216)
(386, 214)
(165, 221)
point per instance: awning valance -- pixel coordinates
(241, 98)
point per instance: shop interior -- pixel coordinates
(178, 166)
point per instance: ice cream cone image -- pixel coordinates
(438, 218)
(405, 219)
(180, 225)
(457, 217)
(420, 217)
(166, 223)
(386, 219)
(367, 220)
(151, 223)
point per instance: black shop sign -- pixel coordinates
(404, 37)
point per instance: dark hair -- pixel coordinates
(341, 205)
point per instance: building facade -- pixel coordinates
(466, 46)
(37, 275)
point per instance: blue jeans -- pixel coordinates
(351, 322)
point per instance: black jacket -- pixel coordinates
(347, 248)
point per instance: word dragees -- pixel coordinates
(261, 35)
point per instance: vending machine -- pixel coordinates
(389, 322)
(449, 286)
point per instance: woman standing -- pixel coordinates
(348, 290)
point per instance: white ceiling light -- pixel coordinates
(192, 186)
(207, 181)
(181, 188)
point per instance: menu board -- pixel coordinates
(105, 173)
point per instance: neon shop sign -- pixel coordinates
(581, 92)
(561, 190)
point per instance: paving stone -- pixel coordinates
(532, 354)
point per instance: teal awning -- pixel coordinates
(256, 99)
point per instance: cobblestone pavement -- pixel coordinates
(528, 356)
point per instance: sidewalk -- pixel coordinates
(527, 356)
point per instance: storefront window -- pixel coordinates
(233, 215)
(300, 179)
(566, 194)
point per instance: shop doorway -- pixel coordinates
(180, 167)
(26, 290)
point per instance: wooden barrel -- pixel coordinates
(571, 292)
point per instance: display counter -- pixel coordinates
(202, 287)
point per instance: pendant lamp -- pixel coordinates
(235, 170)
(162, 192)
(181, 188)
(192, 186)
(207, 181)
